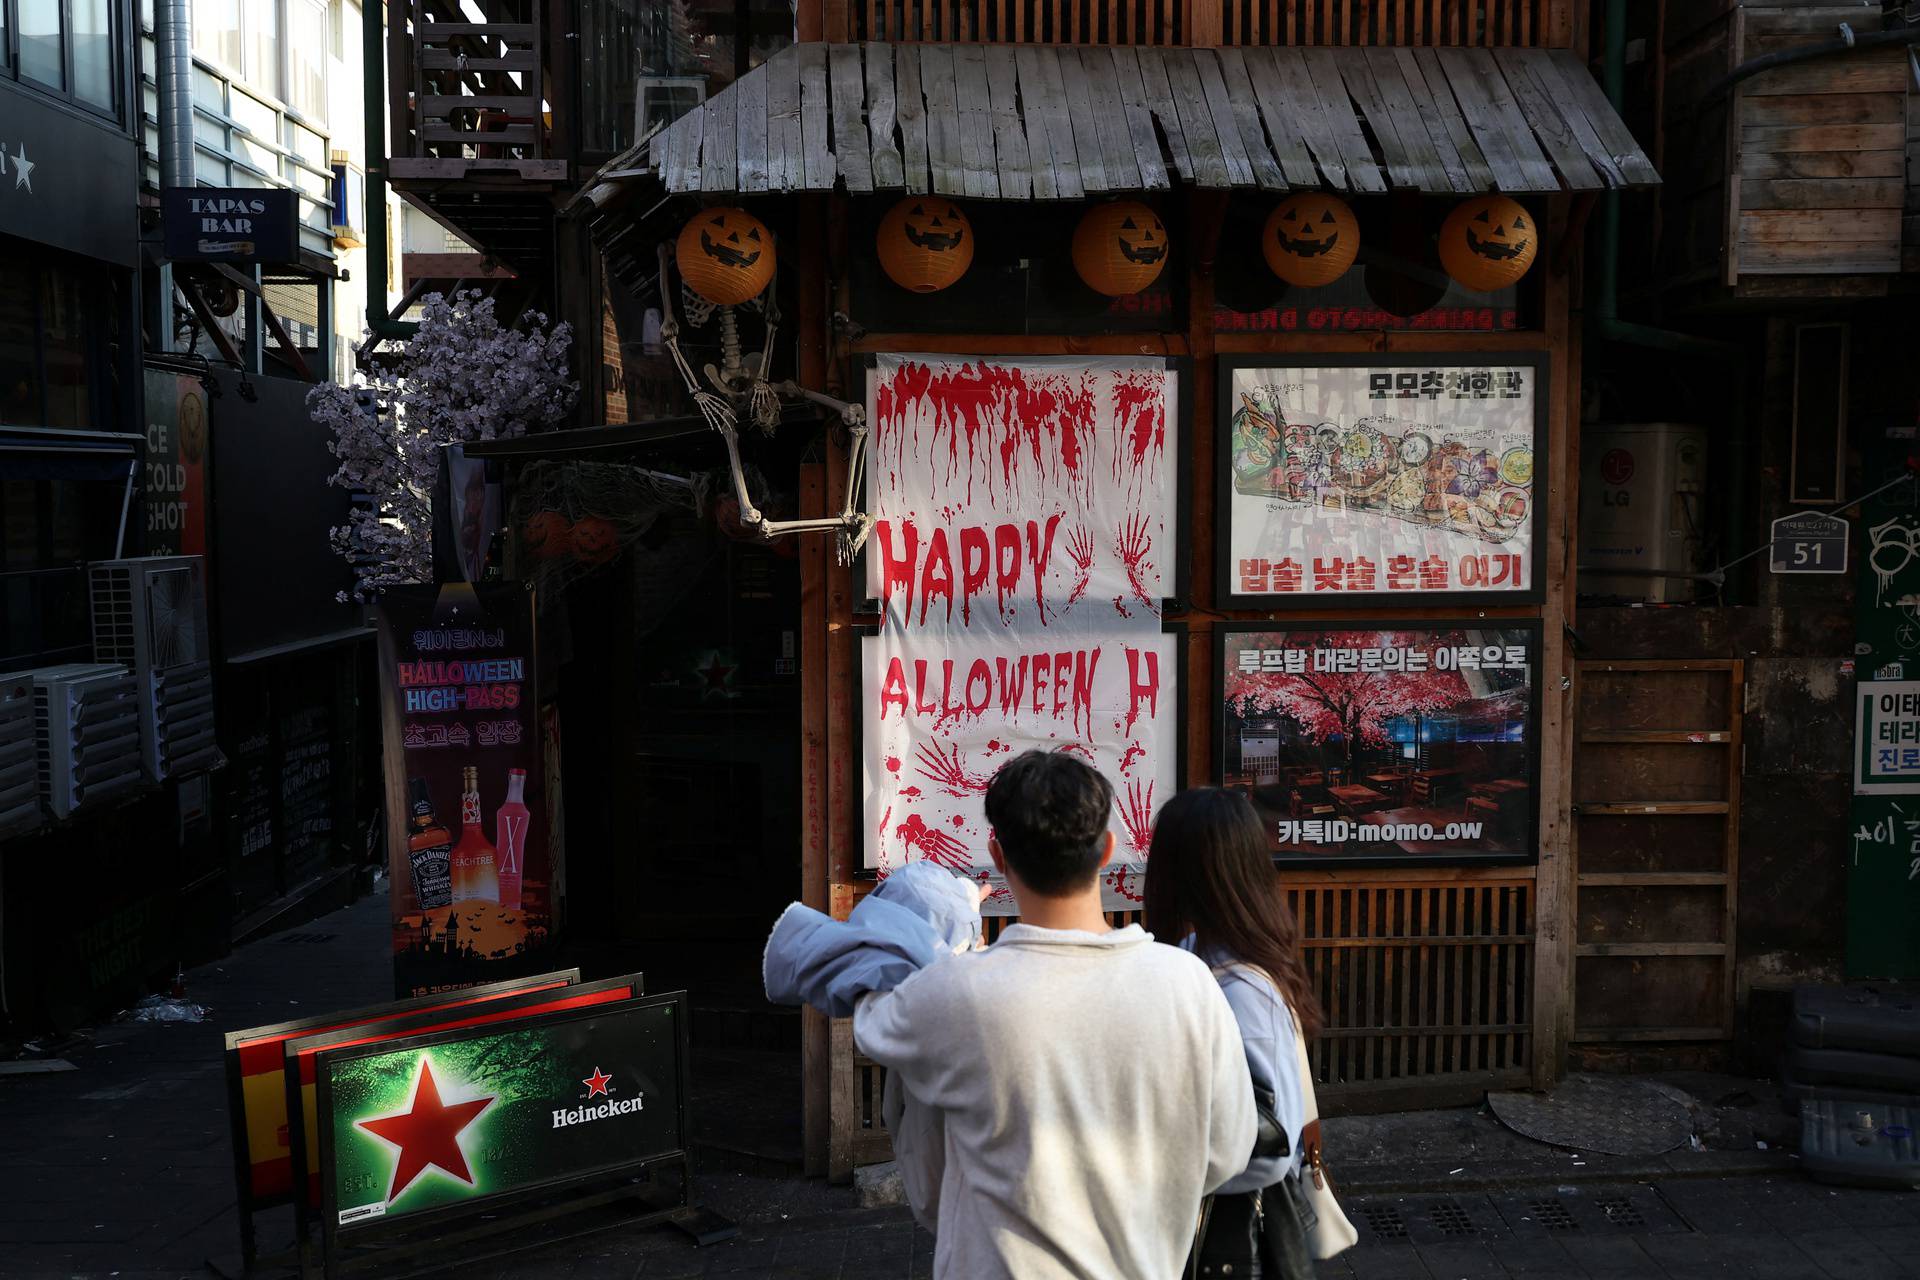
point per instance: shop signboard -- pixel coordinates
(256, 1085)
(174, 491)
(241, 225)
(466, 1122)
(1368, 744)
(1025, 533)
(65, 178)
(1883, 871)
(471, 881)
(1374, 479)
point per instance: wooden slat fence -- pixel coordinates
(1481, 23)
(1424, 985)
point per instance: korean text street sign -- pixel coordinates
(1886, 740)
(1810, 542)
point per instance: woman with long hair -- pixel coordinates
(1211, 887)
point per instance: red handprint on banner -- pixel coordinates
(1133, 544)
(1136, 815)
(1125, 881)
(934, 844)
(1080, 552)
(946, 768)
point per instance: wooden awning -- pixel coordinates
(1062, 122)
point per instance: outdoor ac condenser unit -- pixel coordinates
(87, 722)
(151, 615)
(19, 757)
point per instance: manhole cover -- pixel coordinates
(1609, 1114)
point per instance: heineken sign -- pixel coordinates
(473, 1117)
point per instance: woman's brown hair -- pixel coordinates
(1209, 874)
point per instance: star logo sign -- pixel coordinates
(22, 169)
(597, 1083)
(427, 1134)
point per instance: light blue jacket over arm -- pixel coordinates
(1267, 1030)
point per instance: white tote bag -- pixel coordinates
(1332, 1234)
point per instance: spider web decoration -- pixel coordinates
(628, 505)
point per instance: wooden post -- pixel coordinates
(816, 567)
(1553, 878)
(1206, 210)
(1204, 23)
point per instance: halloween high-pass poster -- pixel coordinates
(1025, 533)
(1409, 478)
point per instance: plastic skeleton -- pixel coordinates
(734, 389)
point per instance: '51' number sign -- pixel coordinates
(1810, 542)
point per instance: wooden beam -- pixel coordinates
(452, 266)
(816, 1034)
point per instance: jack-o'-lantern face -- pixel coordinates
(925, 243)
(1141, 239)
(1488, 243)
(937, 226)
(1498, 240)
(1311, 238)
(1120, 247)
(726, 256)
(595, 540)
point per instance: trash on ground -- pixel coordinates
(166, 1009)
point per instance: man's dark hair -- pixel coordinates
(1050, 813)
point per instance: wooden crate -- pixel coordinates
(1656, 779)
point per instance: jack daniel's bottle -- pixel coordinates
(429, 851)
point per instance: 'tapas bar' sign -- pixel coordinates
(231, 224)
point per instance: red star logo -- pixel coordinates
(597, 1083)
(716, 673)
(427, 1133)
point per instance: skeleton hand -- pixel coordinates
(766, 406)
(715, 411)
(852, 537)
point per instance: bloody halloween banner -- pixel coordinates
(1402, 477)
(1024, 536)
(471, 880)
(1415, 743)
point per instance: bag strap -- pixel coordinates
(1199, 1238)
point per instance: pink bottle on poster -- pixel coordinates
(510, 839)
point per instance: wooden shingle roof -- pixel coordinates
(1062, 122)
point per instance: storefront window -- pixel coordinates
(216, 31)
(93, 52)
(42, 43)
(6, 45)
(307, 38)
(47, 348)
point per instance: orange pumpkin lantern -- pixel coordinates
(726, 256)
(1120, 247)
(595, 540)
(547, 535)
(1311, 238)
(925, 243)
(1488, 243)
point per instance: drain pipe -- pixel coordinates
(1603, 315)
(373, 26)
(173, 76)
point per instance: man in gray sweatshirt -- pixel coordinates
(1074, 1090)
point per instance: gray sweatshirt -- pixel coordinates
(1069, 1098)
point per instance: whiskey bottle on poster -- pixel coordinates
(510, 839)
(429, 850)
(474, 876)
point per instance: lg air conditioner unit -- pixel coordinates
(87, 726)
(19, 757)
(151, 614)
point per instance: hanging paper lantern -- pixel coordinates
(726, 256)
(925, 243)
(1488, 243)
(1311, 238)
(1120, 247)
(547, 534)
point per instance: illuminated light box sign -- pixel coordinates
(231, 224)
(1362, 744)
(1405, 478)
(418, 1131)
(257, 1094)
